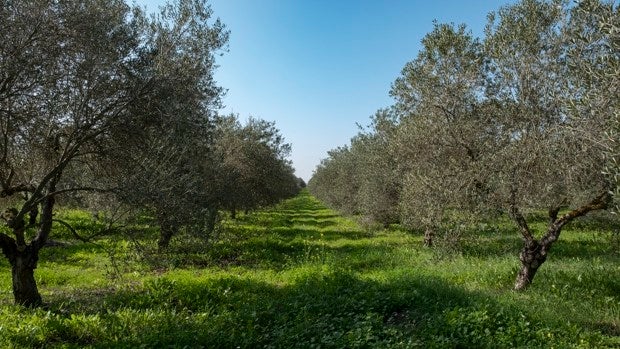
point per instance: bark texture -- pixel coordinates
(25, 289)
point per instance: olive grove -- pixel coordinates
(97, 99)
(522, 120)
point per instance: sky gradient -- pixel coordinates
(318, 67)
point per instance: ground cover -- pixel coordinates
(300, 275)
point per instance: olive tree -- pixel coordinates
(95, 97)
(545, 166)
(377, 171)
(443, 134)
(363, 178)
(335, 180)
(68, 78)
(523, 120)
(166, 165)
(491, 127)
(593, 58)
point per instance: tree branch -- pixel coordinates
(71, 229)
(68, 190)
(21, 188)
(601, 202)
(555, 210)
(517, 216)
(8, 245)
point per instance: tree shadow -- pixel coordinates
(69, 252)
(277, 253)
(309, 214)
(585, 249)
(303, 232)
(319, 223)
(332, 309)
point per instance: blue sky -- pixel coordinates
(318, 67)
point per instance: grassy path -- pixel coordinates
(299, 275)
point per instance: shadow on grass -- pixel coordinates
(585, 249)
(277, 252)
(317, 233)
(305, 214)
(512, 245)
(319, 223)
(70, 252)
(314, 307)
(333, 309)
(327, 308)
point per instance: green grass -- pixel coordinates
(299, 275)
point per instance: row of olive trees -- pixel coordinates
(524, 119)
(99, 101)
(252, 166)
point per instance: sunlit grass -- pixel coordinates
(299, 275)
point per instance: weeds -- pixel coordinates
(300, 276)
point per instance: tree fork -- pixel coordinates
(534, 253)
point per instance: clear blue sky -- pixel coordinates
(318, 67)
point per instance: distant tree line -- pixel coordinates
(522, 120)
(102, 106)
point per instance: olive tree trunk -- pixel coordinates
(534, 252)
(532, 256)
(23, 259)
(25, 289)
(22, 256)
(165, 235)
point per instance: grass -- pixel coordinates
(299, 275)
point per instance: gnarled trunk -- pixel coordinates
(532, 256)
(25, 289)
